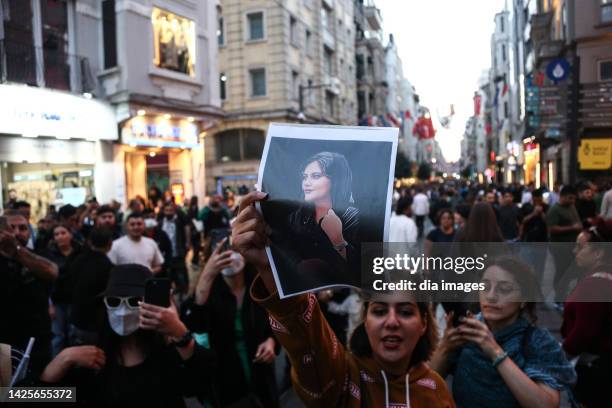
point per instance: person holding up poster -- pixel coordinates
(330, 191)
(386, 365)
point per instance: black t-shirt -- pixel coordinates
(586, 209)
(89, 271)
(437, 235)
(160, 381)
(508, 221)
(534, 230)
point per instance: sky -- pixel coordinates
(444, 46)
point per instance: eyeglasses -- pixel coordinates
(501, 289)
(113, 302)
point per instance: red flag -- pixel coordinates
(504, 89)
(477, 104)
(393, 120)
(407, 114)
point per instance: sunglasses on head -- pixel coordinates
(113, 302)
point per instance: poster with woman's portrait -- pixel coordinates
(329, 191)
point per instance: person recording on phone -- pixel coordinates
(323, 231)
(499, 357)
(226, 319)
(146, 356)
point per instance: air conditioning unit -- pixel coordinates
(334, 85)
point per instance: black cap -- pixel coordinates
(127, 280)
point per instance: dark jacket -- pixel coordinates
(89, 272)
(63, 286)
(161, 380)
(180, 220)
(217, 318)
(304, 247)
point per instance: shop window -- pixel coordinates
(109, 33)
(257, 78)
(174, 42)
(239, 144)
(255, 26)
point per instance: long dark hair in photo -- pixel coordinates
(336, 167)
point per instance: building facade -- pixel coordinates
(159, 70)
(285, 62)
(53, 124)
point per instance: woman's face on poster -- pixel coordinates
(315, 184)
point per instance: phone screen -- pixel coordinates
(217, 235)
(157, 292)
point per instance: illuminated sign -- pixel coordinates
(160, 132)
(595, 154)
(33, 112)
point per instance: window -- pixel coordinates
(293, 33)
(606, 11)
(503, 50)
(221, 32)
(255, 22)
(227, 146)
(109, 33)
(174, 42)
(54, 14)
(258, 82)
(239, 144)
(311, 93)
(506, 112)
(253, 141)
(222, 86)
(501, 23)
(308, 43)
(329, 103)
(327, 18)
(328, 61)
(605, 70)
(295, 85)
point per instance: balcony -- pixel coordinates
(540, 26)
(372, 14)
(550, 49)
(46, 68)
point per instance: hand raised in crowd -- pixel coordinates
(164, 320)
(249, 231)
(452, 338)
(90, 357)
(265, 352)
(218, 260)
(472, 329)
(331, 224)
(8, 243)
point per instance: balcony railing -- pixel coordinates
(48, 68)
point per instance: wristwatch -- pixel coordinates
(183, 341)
(341, 246)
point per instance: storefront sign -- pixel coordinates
(160, 132)
(35, 112)
(35, 150)
(595, 154)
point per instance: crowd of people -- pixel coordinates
(76, 281)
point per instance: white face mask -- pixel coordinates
(236, 267)
(123, 320)
(150, 223)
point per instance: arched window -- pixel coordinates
(239, 144)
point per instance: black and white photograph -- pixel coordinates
(329, 191)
